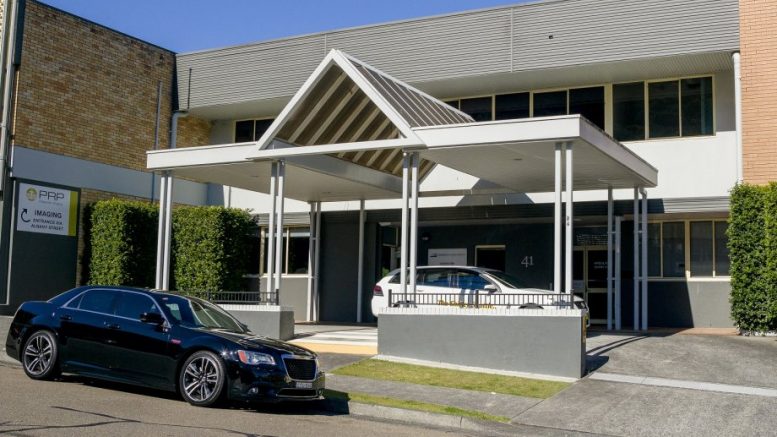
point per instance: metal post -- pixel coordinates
(360, 268)
(160, 247)
(618, 252)
(636, 253)
(279, 258)
(414, 161)
(311, 258)
(557, 220)
(569, 237)
(609, 257)
(316, 263)
(168, 232)
(738, 113)
(271, 229)
(403, 242)
(644, 261)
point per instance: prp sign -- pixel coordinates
(46, 210)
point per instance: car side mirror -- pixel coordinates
(491, 288)
(152, 318)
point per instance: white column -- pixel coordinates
(360, 267)
(618, 252)
(271, 229)
(317, 262)
(609, 257)
(636, 253)
(557, 179)
(279, 258)
(311, 261)
(403, 239)
(569, 220)
(168, 232)
(738, 114)
(644, 261)
(414, 162)
(162, 230)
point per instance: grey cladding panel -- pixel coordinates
(588, 31)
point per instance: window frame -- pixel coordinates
(687, 250)
(286, 245)
(253, 126)
(678, 79)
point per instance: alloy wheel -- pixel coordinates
(39, 354)
(201, 379)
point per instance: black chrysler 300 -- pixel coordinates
(159, 340)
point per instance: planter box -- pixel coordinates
(267, 320)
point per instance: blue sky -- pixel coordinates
(188, 25)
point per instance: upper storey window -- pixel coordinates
(251, 130)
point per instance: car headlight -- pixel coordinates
(255, 358)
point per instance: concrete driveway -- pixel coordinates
(669, 385)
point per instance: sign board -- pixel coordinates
(46, 210)
(447, 257)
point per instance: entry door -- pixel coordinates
(590, 279)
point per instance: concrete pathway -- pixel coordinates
(356, 340)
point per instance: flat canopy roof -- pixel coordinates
(343, 134)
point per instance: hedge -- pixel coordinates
(209, 246)
(752, 240)
(122, 243)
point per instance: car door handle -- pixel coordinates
(65, 317)
(112, 326)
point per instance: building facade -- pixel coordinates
(661, 77)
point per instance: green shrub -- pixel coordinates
(752, 240)
(122, 243)
(210, 248)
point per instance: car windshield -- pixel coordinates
(509, 280)
(191, 311)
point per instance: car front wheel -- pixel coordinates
(202, 379)
(39, 356)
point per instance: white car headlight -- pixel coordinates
(255, 358)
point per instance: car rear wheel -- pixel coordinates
(39, 356)
(202, 379)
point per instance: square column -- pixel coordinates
(636, 259)
(271, 229)
(404, 240)
(644, 261)
(569, 231)
(360, 268)
(609, 257)
(557, 180)
(414, 162)
(279, 229)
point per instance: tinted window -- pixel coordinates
(664, 111)
(100, 301)
(260, 126)
(437, 277)
(75, 302)
(470, 280)
(552, 103)
(628, 111)
(697, 106)
(244, 131)
(701, 249)
(132, 305)
(478, 108)
(674, 249)
(588, 102)
(510, 106)
(722, 263)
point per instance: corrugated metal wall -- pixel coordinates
(470, 44)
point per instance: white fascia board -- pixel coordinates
(560, 128)
(377, 98)
(326, 149)
(301, 93)
(197, 156)
(594, 136)
(349, 171)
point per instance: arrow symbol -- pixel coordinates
(23, 216)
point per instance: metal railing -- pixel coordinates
(481, 299)
(241, 297)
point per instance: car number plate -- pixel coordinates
(304, 385)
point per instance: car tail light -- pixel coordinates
(377, 291)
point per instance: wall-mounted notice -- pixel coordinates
(447, 257)
(46, 210)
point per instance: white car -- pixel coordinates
(465, 286)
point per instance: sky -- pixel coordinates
(190, 25)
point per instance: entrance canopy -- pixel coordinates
(343, 134)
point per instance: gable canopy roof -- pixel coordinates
(347, 101)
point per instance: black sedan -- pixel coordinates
(162, 341)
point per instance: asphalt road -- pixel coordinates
(76, 406)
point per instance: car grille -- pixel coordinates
(304, 370)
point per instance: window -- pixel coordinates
(132, 305)
(437, 278)
(664, 109)
(588, 102)
(673, 250)
(628, 111)
(654, 249)
(294, 250)
(478, 108)
(470, 281)
(99, 301)
(550, 103)
(709, 248)
(696, 97)
(511, 106)
(490, 257)
(251, 130)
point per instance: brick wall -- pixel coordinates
(89, 92)
(758, 43)
(193, 131)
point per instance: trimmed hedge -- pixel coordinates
(210, 248)
(122, 243)
(752, 241)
